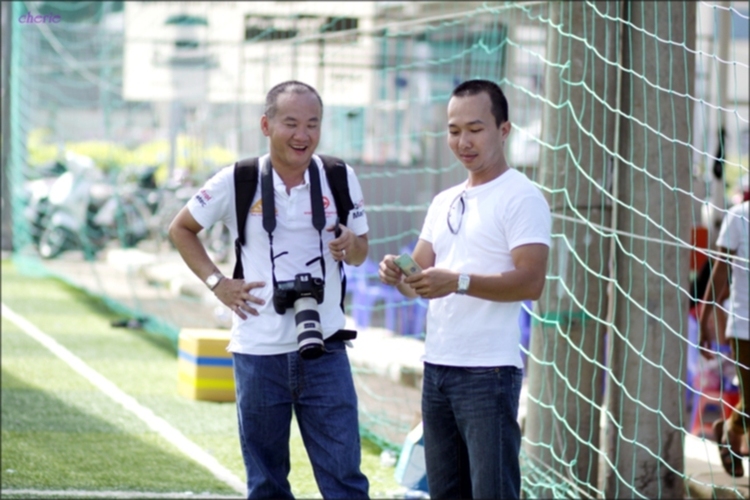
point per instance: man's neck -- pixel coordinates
(292, 177)
(487, 175)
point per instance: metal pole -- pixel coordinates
(5, 165)
(722, 22)
(13, 170)
(175, 112)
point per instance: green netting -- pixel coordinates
(616, 110)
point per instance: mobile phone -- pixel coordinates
(407, 264)
(336, 228)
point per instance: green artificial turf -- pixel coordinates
(60, 432)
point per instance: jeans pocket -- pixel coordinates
(335, 347)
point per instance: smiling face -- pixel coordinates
(474, 136)
(293, 129)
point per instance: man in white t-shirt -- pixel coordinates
(733, 240)
(272, 377)
(483, 250)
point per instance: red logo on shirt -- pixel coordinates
(326, 202)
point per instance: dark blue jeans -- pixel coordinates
(472, 439)
(321, 393)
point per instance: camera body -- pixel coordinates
(303, 293)
(286, 293)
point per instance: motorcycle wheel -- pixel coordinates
(131, 226)
(53, 241)
(219, 242)
(39, 220)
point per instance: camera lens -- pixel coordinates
(309, 331)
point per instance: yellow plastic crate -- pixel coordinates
(205, 369)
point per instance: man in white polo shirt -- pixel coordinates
(730, 274)
(272, 376)
(483, 250)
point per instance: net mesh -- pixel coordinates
(616, 109)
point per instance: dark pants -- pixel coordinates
(472, 439)
(321, 393)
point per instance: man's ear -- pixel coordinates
(505, 129)
(264, 125)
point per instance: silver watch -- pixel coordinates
(463, 284)
(213, 280)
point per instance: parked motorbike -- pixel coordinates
(36, 197)
(172, 197)
(85, 212)
(72, 203)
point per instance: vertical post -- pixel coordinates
(239, 148)
(722, 31)
(7, 89)
(16, 130)
(565, 384)
(105, 71)
(175, 116)
(321, 65)
(647, 349)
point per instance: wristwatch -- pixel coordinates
(463, 284)
(213, 280)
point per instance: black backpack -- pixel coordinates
(245, 186)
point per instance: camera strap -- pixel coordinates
(268, 197)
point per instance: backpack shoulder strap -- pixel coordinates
(338, 180)
(245, 185)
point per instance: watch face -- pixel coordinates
(212, 281)
(463, 283)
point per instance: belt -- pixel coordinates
(343, 335)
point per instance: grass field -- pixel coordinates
(61, 433)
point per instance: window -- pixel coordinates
(187, 20)
(267, 28)
(339, 24)
(187, 44)
(334, 24)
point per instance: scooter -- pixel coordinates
(73, 201)
(36, 198)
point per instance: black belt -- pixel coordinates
(343, 335)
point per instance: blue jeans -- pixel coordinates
(472, 439)
(321, 392)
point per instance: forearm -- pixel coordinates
(358, 253)
(716, 292)
(192, 251)
(511, 286)
(717, 289)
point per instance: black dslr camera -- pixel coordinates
(304, 293)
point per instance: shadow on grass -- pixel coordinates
(56, 294)
(48, 443)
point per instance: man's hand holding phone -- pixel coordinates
(407, 264)
(393, 268)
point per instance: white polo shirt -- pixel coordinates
(734, 235)
(272, 333)
(505, 213)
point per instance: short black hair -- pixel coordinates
(499, 102)
(294, 86)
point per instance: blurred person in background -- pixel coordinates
(483, 250)
(730, 276)
(272, 378)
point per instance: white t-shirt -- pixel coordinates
(500, 215)
(734, 235)
(272, 333)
